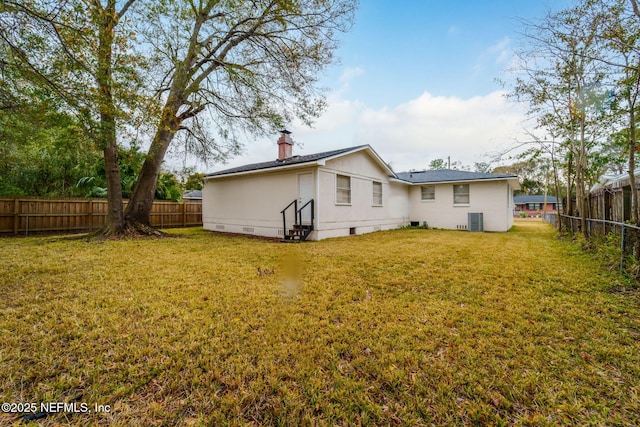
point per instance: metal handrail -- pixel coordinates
(284, 215)
(295, 202)
(299, 212)
(297, 215)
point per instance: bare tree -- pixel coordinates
(244, 65)
(563, 84)
(620, 36)
(188, 66)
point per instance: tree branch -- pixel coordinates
(636, 9)
(125, 7)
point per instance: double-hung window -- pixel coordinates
(343, 190)
(428, 193)
(377, 194)
(461, 194)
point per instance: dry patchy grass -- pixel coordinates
(408, 327)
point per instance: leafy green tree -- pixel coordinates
(620, 34)
(562, 81)
(81, 53)
(190, 179)
(437, 164)
(129, 164)
(252, 66)
(168, 187)
(41, 151)
(529, 171)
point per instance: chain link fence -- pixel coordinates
(619, 242)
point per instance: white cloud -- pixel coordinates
(350, 73)
(498, 55)
(429, 127)
(411, 134)
(501, 51)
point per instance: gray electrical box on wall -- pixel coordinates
(475, 221)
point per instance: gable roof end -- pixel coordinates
(296, 161)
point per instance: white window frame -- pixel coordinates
(459, 198)
(344, 191)
(422, 193)
(377, 198)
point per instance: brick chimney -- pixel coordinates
(285, 145)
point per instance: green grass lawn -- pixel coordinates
(406, 327)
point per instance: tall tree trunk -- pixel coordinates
(556, 185)
(138, 211)
(139, 208)
(115, 216)
(632, 163)
(570, 207)
(581, 168)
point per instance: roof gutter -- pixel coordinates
(508, 178)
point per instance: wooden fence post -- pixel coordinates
(90, 213)
(16, 216)
(184, 213)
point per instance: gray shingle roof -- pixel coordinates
(448, 175)
(295, 160)
(192, 194)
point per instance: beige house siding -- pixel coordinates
(361, 215)
(488, 198)
(249, 204)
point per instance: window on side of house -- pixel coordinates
(343, 189)
(428, 192)
(461, 194)
(377, 193)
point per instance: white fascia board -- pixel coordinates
(373, 154)
(266, 170)
(398, 180)
(460, 181)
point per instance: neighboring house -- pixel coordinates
(535, 206)
(610, 197)
(192, 195)
(349, 191)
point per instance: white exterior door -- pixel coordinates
(305, 193)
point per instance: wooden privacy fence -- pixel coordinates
(31, 215)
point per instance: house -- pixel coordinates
(610, 197)
(192, 195)
(535, 206)
(350, 191)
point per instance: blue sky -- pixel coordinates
(448, 48)
(417, 81)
